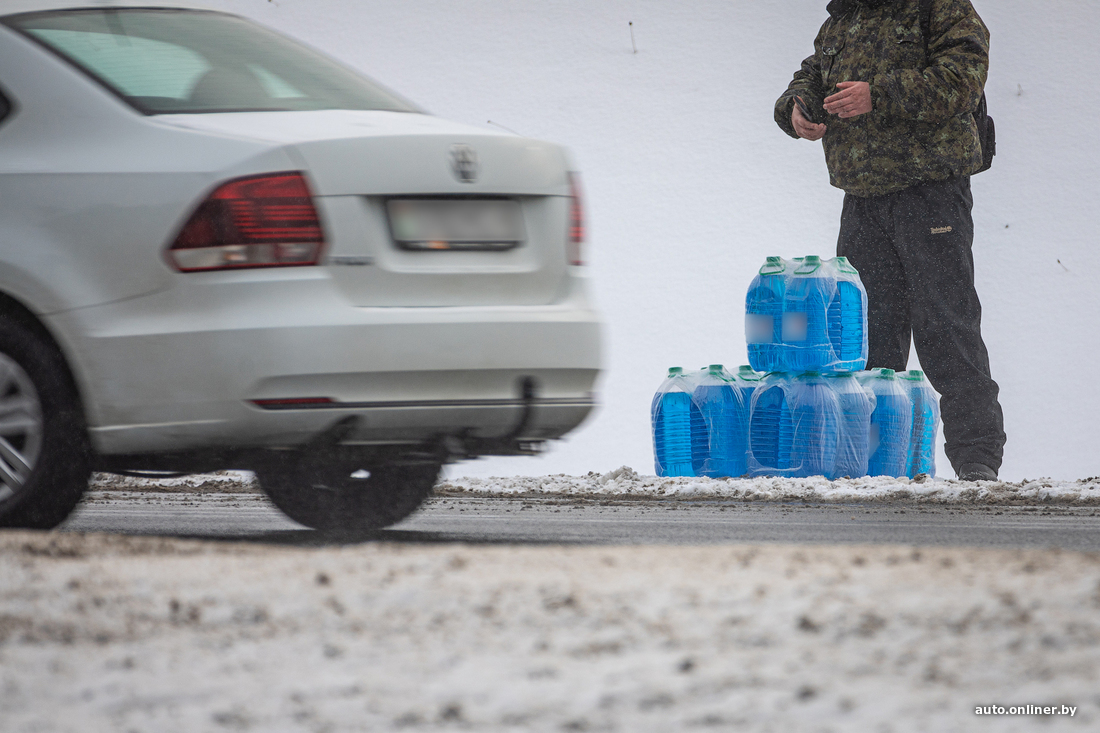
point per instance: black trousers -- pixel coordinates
(913, 252)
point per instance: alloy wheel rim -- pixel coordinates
(21, 427)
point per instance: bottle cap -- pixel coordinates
(845, 266)
(748, 374)
(673, 371)
(773, 266)
(807, 265)
(915, 374)
(886, 373)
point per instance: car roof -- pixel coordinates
(14, 7)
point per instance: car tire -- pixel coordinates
(335, 498)
(45, 457)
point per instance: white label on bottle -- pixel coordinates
(795, 327)
(759, 329)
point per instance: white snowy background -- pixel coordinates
(690, 184)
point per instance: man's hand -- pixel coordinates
(853, 99)
(806, 129)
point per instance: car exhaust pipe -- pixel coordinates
(333, 435)
(528, 389)
(461, 446)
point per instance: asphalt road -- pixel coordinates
(558, 521)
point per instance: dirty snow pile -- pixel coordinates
(626, 483)
(112, 633)
(195, 483)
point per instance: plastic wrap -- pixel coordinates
(853, 447)
(848, 318)
(671, 414)
(824, 317)
(720, 433)
(794, 426)
(764, 315)
(805, 332)
(747, 380)
(700, 424)
(926, 423)
(891, 423)
(770, 427)
(806, 314)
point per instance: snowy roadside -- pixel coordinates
(219, 482)
(114, 633)
(625, 483)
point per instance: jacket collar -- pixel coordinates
(840, 7)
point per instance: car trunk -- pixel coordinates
(419, 211)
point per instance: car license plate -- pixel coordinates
(455, 224)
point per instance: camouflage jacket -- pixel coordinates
(920, 128)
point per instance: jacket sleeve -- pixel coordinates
(958, 62)
(806, 84)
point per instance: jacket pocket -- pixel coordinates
(909, 47)
(830, 62)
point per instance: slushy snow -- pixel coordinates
(626, 483)
(110, 633)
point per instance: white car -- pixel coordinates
(220, 249)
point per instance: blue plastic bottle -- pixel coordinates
(700, 434)
(853, 450)
(891, 423)
(764, 315)
(747, 380)
(771, 430)
(926, 423)
(805, 332)
(671, 413)
(815, 414)
(722, 424)
(848, 318)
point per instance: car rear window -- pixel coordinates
(164, 61)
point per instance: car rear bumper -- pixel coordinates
(213, 365)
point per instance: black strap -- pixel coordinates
(986, 131)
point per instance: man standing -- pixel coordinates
(895, 111)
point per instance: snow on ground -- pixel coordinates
(111, 633)
(192, 483)
(625, 482)
(121, 633)
(628, 484)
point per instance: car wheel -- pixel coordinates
(335, 498)
(45, 460)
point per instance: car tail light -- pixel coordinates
(576, 221)
(258, 221)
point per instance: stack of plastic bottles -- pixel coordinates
(807, 315)
(701, 420)
(802, 407)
